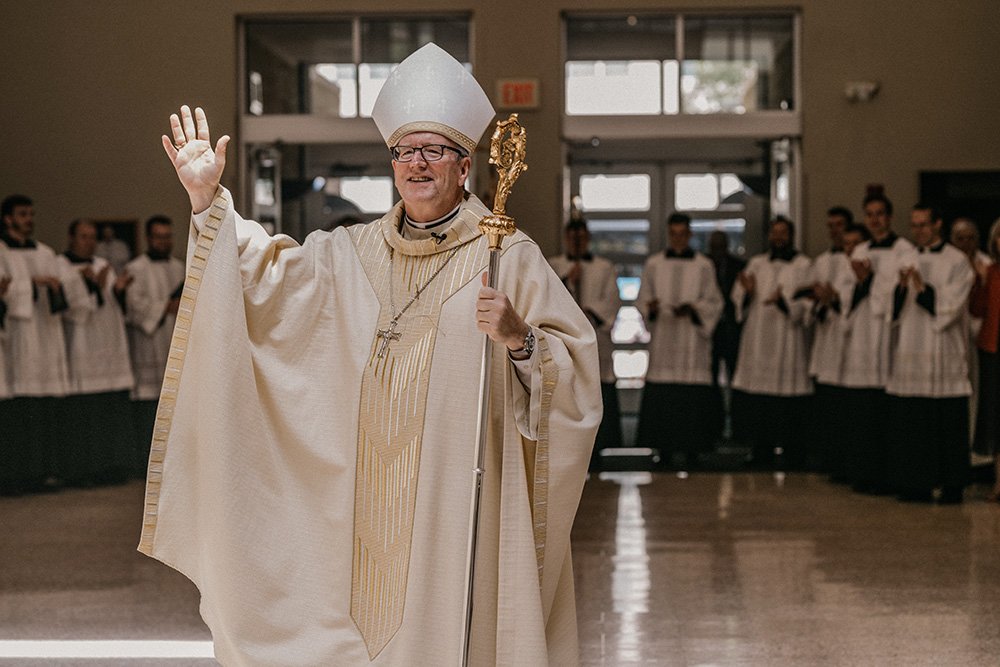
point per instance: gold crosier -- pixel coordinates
(507, 149)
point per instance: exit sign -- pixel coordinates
(518, 93)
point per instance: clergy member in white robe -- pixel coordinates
(593, 283)
(965, 236)
(771, 385)
(36, 349)
(10, 300)
(151, 303)
(312, 468)
(99, 445)
(868, 300)
(826, 351)
(680, 301)
(929, 375)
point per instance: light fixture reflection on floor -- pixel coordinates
(115, 648)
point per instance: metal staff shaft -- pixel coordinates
(507, 153)
(477, 493)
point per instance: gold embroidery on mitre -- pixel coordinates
(391, 422)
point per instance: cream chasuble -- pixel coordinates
(319, 494)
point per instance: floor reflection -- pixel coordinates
(754, 569)
(630, 578)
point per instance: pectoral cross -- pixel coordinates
(386, 335)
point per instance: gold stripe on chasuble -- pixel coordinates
(175, 363)
(391, 424)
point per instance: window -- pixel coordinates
(615, 192)
(336, 67)
(635, 64)
(737, 64)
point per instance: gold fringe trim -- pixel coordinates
(540, 508)
(175, 363)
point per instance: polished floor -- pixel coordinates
(708, 569)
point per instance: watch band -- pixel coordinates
(526, 348)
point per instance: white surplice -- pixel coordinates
(285, 444)
(826, 356)
(96, 341)
(149, 325)
(929, 354)
(680, 350)
(866, 325)
(774, 357)
(35, 343)
(597, 294)
(17, 304)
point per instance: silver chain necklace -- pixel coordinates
(390, 333)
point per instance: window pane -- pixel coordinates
(336, 90)
(671, 88)
(613, 87)
(617, 238)
(630, 364)
(372, 195)
(729, 184)
(391, 40)
(623, 37)
(372, 76)
(696, 192)
(278, 53)
(614, 192)
(737, 64)
(628, 288)
(735, 229)
(711, 86)
(310, 67)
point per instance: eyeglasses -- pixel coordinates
(430, 152)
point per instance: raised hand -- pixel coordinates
(198, 167)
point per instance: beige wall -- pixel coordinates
(86, 88)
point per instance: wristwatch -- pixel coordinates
(526, 348)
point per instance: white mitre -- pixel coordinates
(432, 92)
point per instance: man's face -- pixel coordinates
(835, 225)
(430, 189)
(21, 221)
(678, 235)
(780, 236)
(83, 242)
(577, 242)
(924, 228)
(160, 238)
(877, 220)
(851, 241)
(963, 237)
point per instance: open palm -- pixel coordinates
(199, 168)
